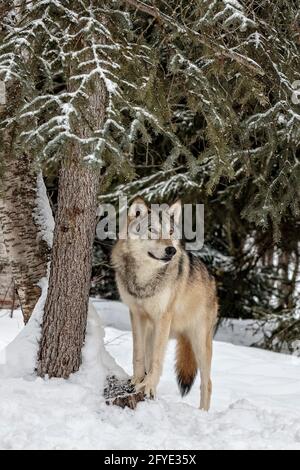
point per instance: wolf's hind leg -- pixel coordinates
(138, 323)
(202, 346)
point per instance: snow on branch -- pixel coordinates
(69, 48)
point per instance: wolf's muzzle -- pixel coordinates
(170, 251)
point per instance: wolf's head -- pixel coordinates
(154, 233)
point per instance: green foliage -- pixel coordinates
(242, 128)
(207, 85)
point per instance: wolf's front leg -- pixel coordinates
(160, 340)
(138, 323)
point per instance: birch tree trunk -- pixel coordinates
(6, 278)
(27, 252)
(65, 314)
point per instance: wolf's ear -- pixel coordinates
(176, 211)
(138, 208)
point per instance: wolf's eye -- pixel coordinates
(138, 213)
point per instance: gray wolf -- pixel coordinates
(170, 294)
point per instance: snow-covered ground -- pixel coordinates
(256, 401)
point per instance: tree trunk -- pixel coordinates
(6, 278)
(66, 307)
(285, 283)
(27, 252)
(65, 314)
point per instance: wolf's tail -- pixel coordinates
(186, 365)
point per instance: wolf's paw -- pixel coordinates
(148, 386)
(136, 380)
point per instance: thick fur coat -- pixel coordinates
(170, 294)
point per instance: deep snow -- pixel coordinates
(256, 400)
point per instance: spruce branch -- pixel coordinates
(219, 50)
(141, 6)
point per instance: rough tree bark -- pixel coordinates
(27, 252)
(66, 308)
(6, 278)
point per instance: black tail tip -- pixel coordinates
(185, 385)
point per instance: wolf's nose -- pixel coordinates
(170, 251)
